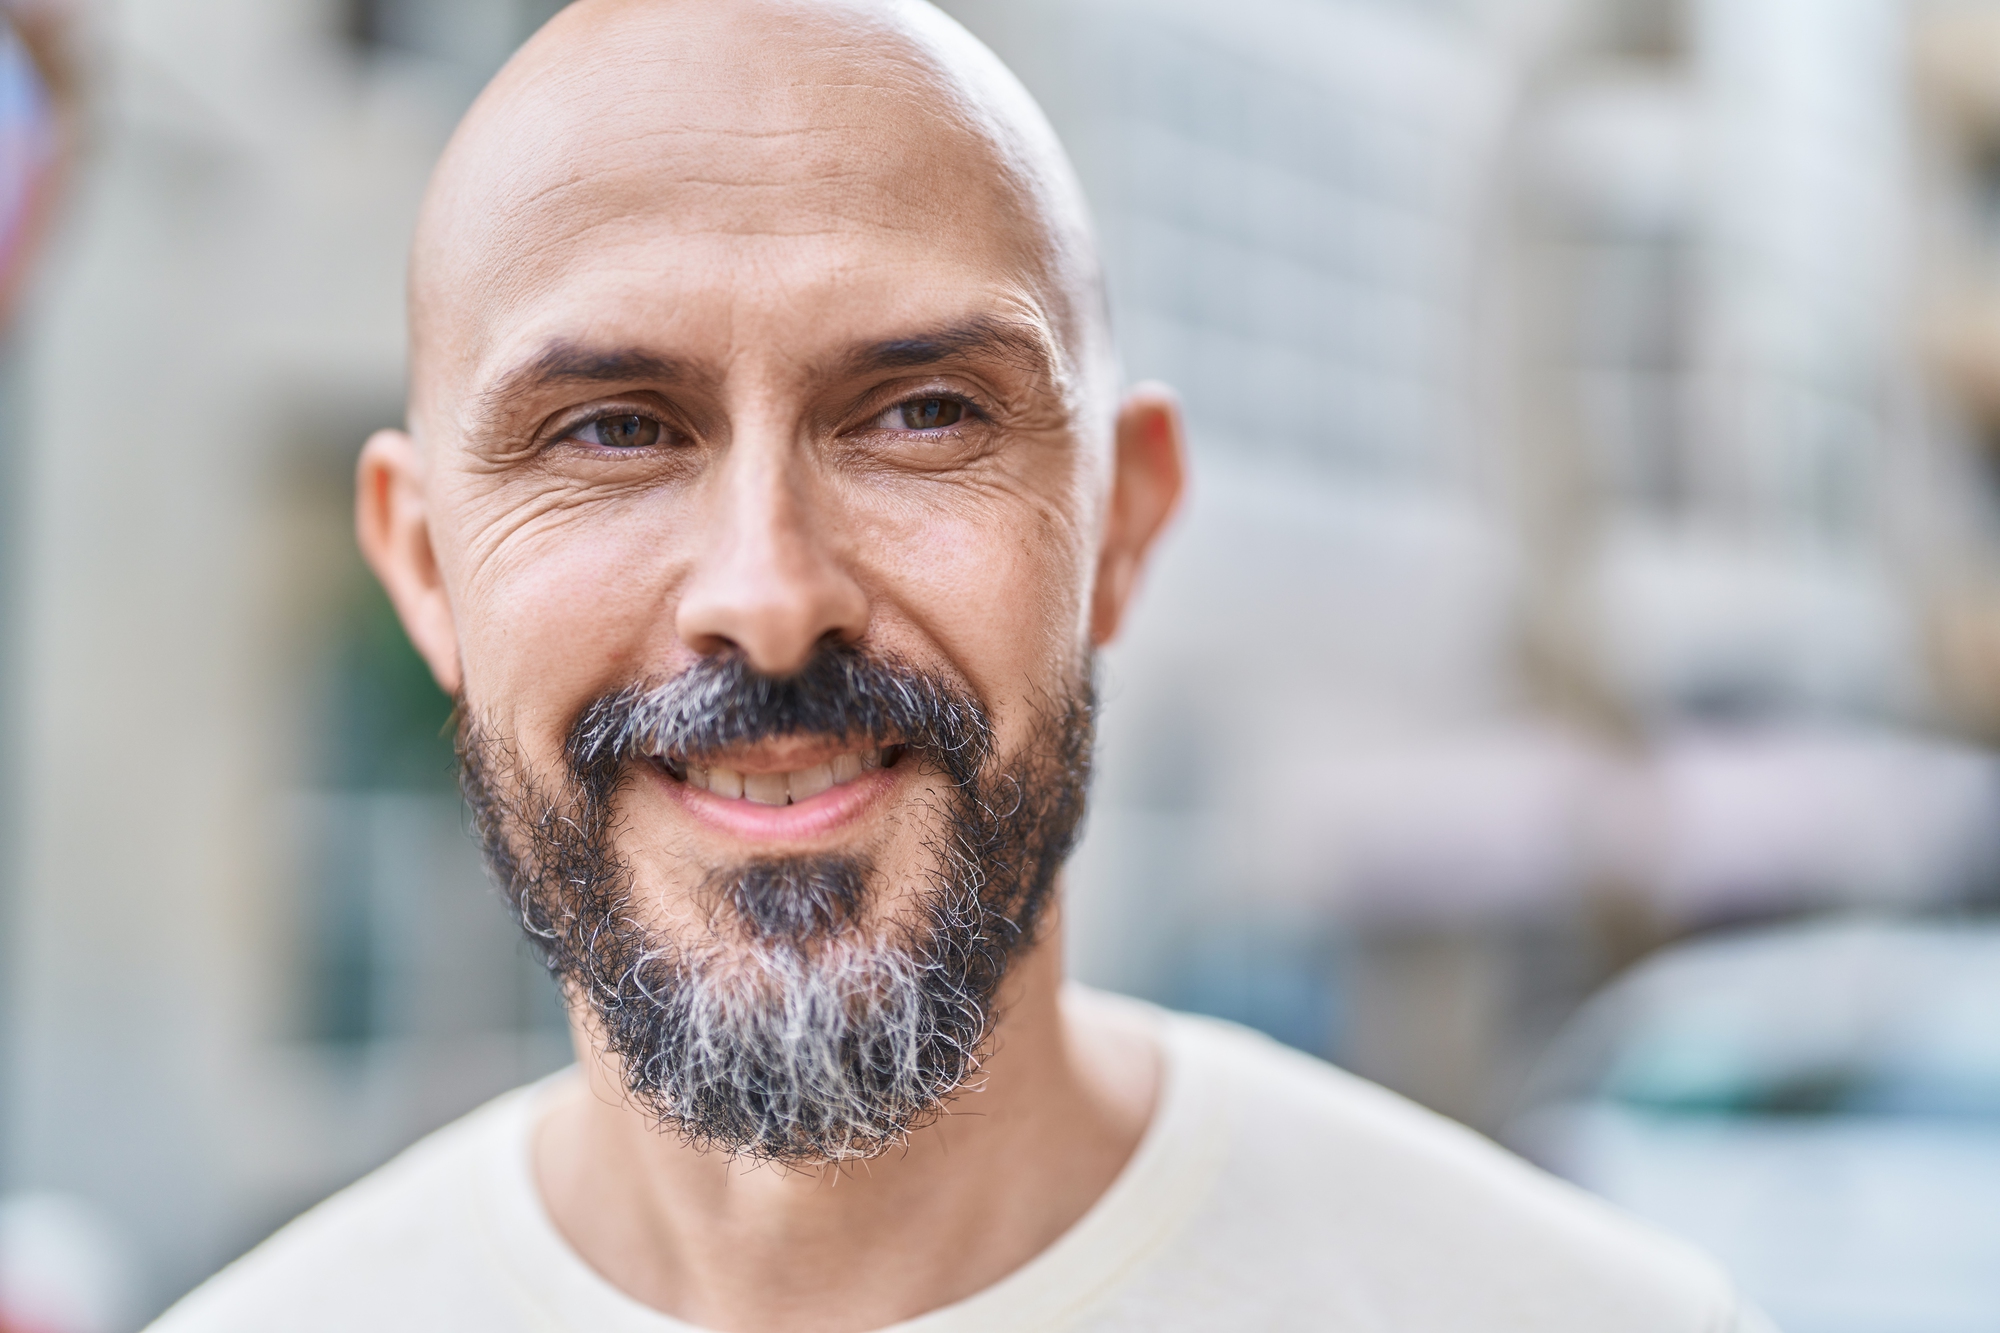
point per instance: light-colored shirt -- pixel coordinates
(1269, 1192)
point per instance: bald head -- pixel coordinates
(791, 139)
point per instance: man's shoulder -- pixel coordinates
(1400, 1208)
(400, 1243)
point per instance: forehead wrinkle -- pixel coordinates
(838, 166)
(618, 206)
(848, 115)
(871, 93)
(766, 190)
(557, 261)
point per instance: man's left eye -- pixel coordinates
(925, 414)
(621, 431)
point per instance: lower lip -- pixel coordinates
(826, 813)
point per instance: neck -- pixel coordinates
(1049, 1121)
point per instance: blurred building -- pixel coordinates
(1714, 211)
(1593, 538)
(1955, 48)
(249, 952)
(1572, 508)
(1297, 204)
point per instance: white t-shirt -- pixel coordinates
(1270, 1192)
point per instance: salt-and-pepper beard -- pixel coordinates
(794, 1027)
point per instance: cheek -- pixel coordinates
(556, 607)
(995, 586)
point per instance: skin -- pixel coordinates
(767, 227)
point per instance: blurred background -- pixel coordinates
(1569, 697)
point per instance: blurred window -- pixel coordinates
(403, 943)
(1288, 197)
(407, 939)
(1648, 30)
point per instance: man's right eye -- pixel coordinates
(621, 431)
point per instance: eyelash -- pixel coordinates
(667, 436)
(973, 412)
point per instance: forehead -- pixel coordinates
(821, 196)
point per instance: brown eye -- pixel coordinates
(932, 413)
(624, 432)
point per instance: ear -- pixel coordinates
(395, 536)
(1148, 474)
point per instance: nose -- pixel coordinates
(769, 581)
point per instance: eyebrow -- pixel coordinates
(1023, 343)
(567, 362)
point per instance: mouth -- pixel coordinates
(779, 787)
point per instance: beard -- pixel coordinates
(798, 1021)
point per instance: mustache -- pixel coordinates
(843, 691)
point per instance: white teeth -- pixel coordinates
(765, 788)
(810, 782)
(783, 788)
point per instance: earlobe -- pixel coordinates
(1149, 474)
(393, 528)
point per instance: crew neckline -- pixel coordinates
(1170, 1174)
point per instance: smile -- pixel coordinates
(789, 787)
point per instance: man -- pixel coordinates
(766, 494)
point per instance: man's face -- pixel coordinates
(792, 401)
(734, 371)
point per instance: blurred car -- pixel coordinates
(1817, 1105)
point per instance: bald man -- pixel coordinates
(767, 492)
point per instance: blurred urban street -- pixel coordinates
(1590, 588)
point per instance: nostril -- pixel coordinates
(715, 645)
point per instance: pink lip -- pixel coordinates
(828, 812)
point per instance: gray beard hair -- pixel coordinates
(787, 1029)
(824, 1055)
